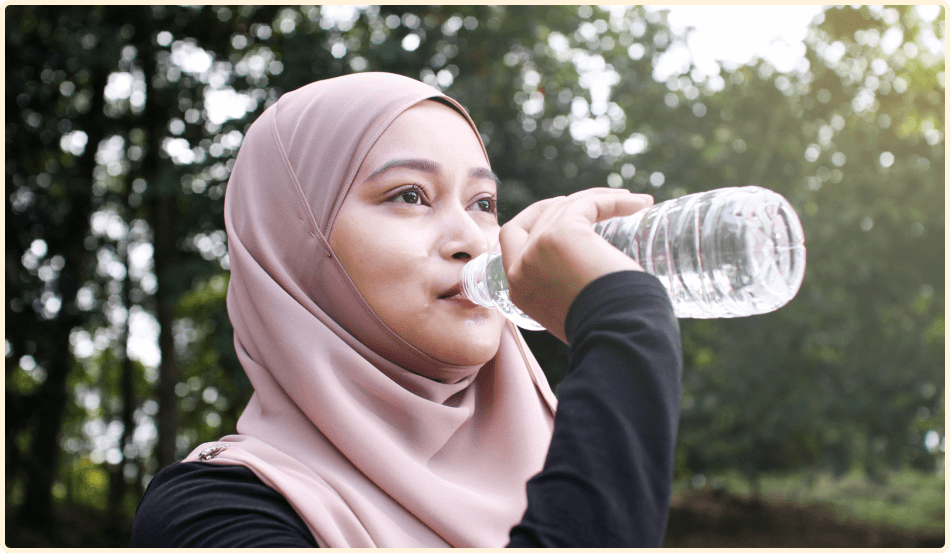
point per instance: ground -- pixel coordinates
(708, 518)
(700, 518)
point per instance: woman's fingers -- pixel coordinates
(598, 204)
(515, 233)
(593, 205)
(607, 207)
(516, 230)
(551, 250)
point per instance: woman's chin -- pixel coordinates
(471, 343)
(470, 357)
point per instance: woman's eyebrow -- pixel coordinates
(425, 165)
(483, 173)
(429, 166)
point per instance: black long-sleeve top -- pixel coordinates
(607, 478)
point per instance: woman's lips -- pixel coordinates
(455, 295)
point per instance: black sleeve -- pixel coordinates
(608, 475)
(207, 505)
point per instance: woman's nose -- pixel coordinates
(463, 238)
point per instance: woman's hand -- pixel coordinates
(551, 252)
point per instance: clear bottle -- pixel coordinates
(730, 252)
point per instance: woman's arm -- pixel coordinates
(607, 478)
(608, 474)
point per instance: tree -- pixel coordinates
(49, 93)
(75, 153)
(843, 376)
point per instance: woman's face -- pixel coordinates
(421, 206)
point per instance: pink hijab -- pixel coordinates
(372, 441)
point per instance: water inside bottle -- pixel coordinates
(757, 255)
(485, 283)
(730, 254)
(498, 289)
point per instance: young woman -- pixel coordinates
(388, 410)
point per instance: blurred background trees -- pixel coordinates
(122, 124)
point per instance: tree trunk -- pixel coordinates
(161, 218)
(117, 483)
(52, 395)
(164, 245)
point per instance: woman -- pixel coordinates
(388, 410)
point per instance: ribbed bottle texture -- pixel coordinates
(730, 252)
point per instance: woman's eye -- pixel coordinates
(408, 197)
(487, 205)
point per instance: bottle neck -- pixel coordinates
(474, 276)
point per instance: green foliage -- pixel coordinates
(847, 374)
(216, 387)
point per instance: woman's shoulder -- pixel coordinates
(184, 482)
(212, 505)
(179, 477)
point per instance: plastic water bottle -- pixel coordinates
(730, 252)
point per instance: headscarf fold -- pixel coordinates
(371, 440)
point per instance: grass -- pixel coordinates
(907, 500)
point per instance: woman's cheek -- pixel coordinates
(392, 263)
